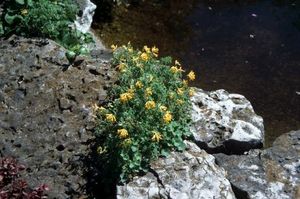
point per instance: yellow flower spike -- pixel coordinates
(125, 97)
(163, 108)
(171, 95)
(146, 49)
(191, 76)
(122, 66)
(139, 84)
(111, 118)
(24, 12)
(96, 108)
(101, 150)
(185, 82)
(144, 57)
(180, 91)
(177, 63)
(174, 69)
(167, 117)
(180, 69)
(155, 51)
(156, 137)
(179, 101)
(130, 91)
(148, 91)
(150, 105)
(122, 133)
(127, 142)
(113, 47)
(191, 92)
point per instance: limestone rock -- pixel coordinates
(224, 122)
(45, 110)
(87, 10)
(191, 174)
(271, 173)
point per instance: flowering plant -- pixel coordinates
(148, 112)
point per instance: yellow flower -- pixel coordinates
(111, 118)
(154, 51)
(127, 142)
(148, 91)
(191, 92)
(174, 69)
(167, 117)
(139, 84)
(177, 63)
(150, 105)
(122, 133)
(131, 90)
(144, 57)
(125, 97)
(96, 108)
(121, 67)
(156, 137)
(180, 91)
(185, 82)
(171, 95)
(191, 76)
(101, 150)
(146, 49)
(150, 77)
(114, 47)
(179, 101)
(24, 12)
(163, 108)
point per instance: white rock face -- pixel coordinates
(191, 174)
(225, 121)
(83, 23)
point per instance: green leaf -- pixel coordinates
(20, 2)
(70, 55)
(9, 19)
(134, 148)
(29, 3)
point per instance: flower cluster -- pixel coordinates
(148, 114)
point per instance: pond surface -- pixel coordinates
(246, 47)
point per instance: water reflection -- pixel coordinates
(247, 47)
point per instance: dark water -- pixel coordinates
(246, 47)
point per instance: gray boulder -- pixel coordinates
(271, 173)
(191, 174)
(45, 111)
(224, 122)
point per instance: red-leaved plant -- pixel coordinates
(13, 188)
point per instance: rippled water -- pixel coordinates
(246, 47)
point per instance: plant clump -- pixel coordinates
(11, 187)
(147, 115)
(51, 19)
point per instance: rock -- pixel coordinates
(44, 103)
(182, 175)
(271, 173)
(87, 10)
(226, 123)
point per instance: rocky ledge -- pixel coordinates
(225, 123)
(45, 110)
(182, 175)
(263, 174)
